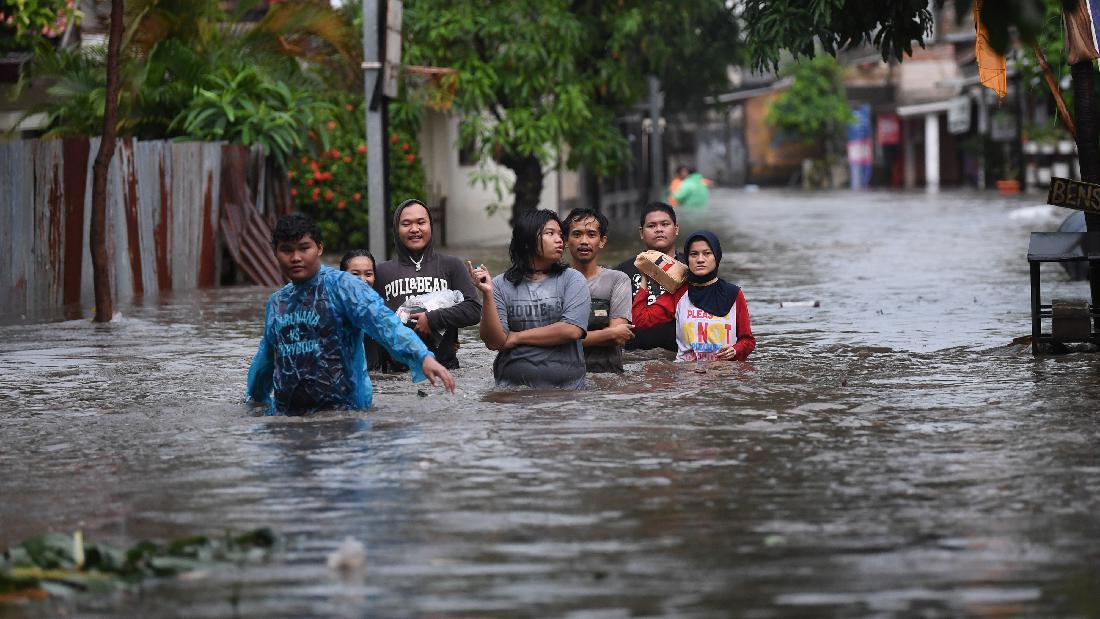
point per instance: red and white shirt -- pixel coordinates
(699, 335)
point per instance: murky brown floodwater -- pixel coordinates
(885, 454)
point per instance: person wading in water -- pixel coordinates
(535, 315)
(418, 269)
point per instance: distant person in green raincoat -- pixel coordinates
(689, 189)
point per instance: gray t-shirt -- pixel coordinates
(558, 298)
(614, 286)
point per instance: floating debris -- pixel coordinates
(60, 564)
(350, 556)
(784, 304)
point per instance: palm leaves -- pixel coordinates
(193, 70)
(246, 106)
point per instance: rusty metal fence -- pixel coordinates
(163, 213)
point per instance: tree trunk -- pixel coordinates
(528, 187)
(97, 242)
(1088, 152)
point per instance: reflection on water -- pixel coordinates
(888, 452)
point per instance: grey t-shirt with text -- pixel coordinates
(613, 286)
(558, 298)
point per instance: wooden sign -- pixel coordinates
(1076, 195)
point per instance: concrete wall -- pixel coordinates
(771, 160)
(468, 221)
(720, 154)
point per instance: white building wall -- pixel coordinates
(467, 220)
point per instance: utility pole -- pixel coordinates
(376, 139)
(656, 156)
(1021, 111)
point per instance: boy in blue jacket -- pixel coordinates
(311, 354)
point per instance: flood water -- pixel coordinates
(887, 453)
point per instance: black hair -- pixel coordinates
(291, 228)
(683, 168)
(526, 240)
(357, 253)
(653, 207)
(578, 215)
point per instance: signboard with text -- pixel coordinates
(958, 115)
(860, 153)
(1002, 127)
(1077, 195)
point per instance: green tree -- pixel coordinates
(1051, 41)
(800, 28)
(543, 78)
(185, 73)
(815, 107)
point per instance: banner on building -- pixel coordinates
(889, 130)
(958, 115)
(860, 152)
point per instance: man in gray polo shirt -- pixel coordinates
(609, 321)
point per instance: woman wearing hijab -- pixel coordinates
(712, 317)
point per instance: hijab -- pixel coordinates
(709, 292)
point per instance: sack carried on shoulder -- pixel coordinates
(599, 317)
(666, 271)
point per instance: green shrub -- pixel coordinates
(23, 22)
(329, 181)
(245, 106)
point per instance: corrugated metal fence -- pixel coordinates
(163, 210)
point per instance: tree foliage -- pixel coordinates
(803, 28)
(799, 27)
(23, 23)
(539, 78)
(246, 106)
(815, 107)
(1005, 19)
(330, 184)
(284, 76)
(180, 60)
(1051, 40)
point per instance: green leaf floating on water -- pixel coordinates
(59, 564)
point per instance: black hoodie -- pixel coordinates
(397, 280)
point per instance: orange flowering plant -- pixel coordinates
(330, 184)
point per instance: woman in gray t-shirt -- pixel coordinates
(535, 314)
